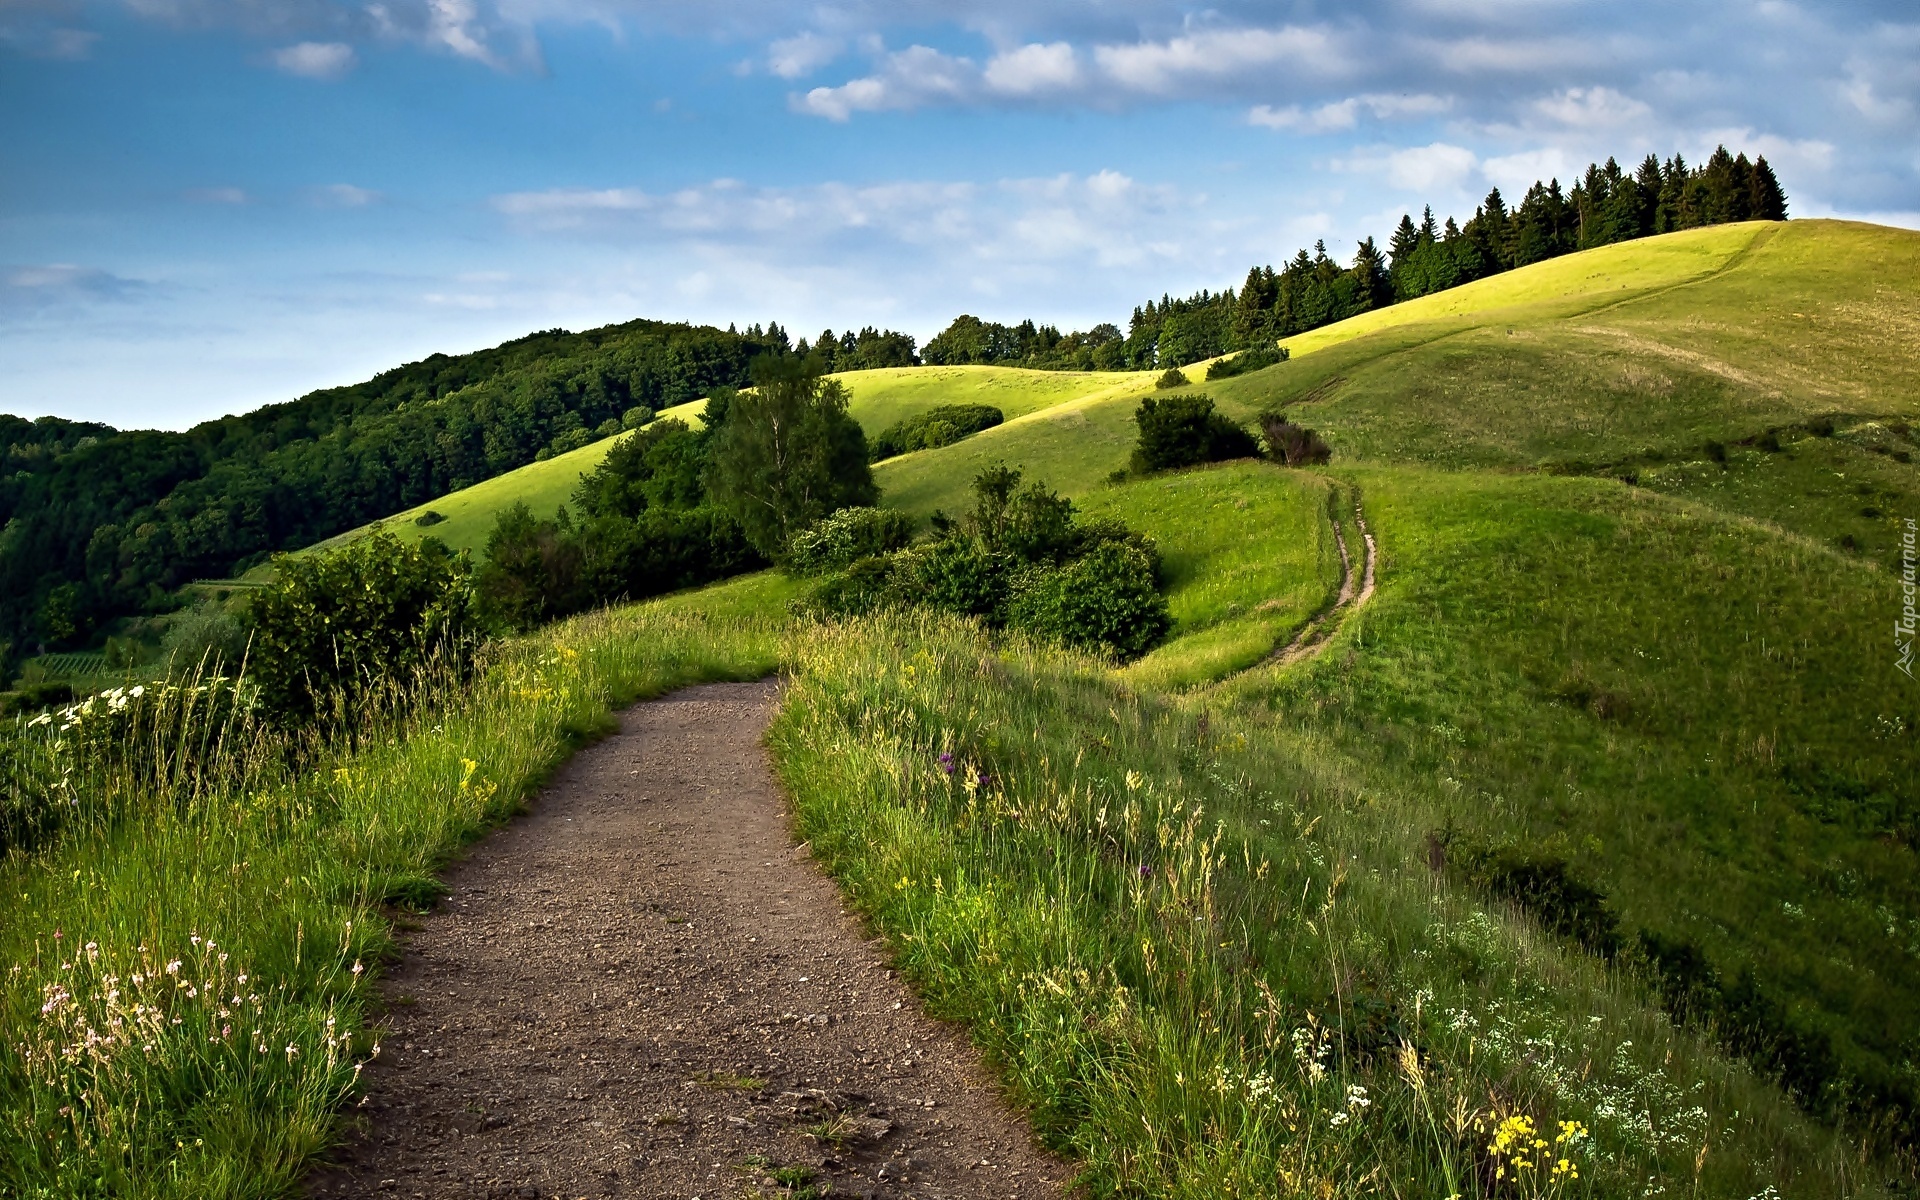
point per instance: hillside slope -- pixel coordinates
(879, 398)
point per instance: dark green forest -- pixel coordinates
(101, 523)
(1608, 204)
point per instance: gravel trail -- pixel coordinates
(643, 988)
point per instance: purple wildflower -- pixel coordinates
(946, 763)
(1146, 871)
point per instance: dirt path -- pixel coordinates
(644, 989)
(1353, 594)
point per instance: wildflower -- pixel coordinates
(173, 968)
(946, 763)
(293, 1052)
(1146, 871)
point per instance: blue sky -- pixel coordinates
(207, 205)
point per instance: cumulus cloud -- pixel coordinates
(1432, 167)
(802, 54)
(1033, 69)
(910, 78)
(1592, 108)
(315, 60)
(1163, 66)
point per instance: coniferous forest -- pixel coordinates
(101, 524)
(1608, 204)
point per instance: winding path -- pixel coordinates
(1354, 594)
(643, 988)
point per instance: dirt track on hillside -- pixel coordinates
(1355, 591)
(644, 989)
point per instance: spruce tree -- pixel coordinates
(1767, 201)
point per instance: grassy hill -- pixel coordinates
(879, 399)
(1637, 509)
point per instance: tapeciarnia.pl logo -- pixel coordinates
(1903, 629)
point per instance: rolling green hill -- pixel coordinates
(879, 399)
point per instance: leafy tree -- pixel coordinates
(787, 454)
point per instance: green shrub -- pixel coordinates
(1105, 600)
(863, 587)
(1258, 358)
(1172, 377)
(839, 539)
(572, 439)
(428, 519)
(1185, 431)
(337, 628)
(1293, 445)
(960, 575)
(636, 416)
(940, 426)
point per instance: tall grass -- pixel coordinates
(1216, 965)
(186, 1003)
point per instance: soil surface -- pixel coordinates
(643, 988)
(1354, 593)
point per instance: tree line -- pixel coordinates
(100, 523)
(1607, 204)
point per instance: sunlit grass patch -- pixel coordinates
(1214, 960)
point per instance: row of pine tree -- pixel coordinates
(1608, 204)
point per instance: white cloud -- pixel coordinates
(1515, 173)
(1105, 219)
(910, 78)
(1161, 67)
(1032, 69)
(1594, 108)
(1432, 167)
(802, 54)
(315, 60)
(1345, 114)
(1513, 55)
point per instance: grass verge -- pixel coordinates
(188, 995)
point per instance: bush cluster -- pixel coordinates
(839, 540)
(1185, 431)
(939, 426)
(1293, 445)
(1258, 358)
(1018, 560)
